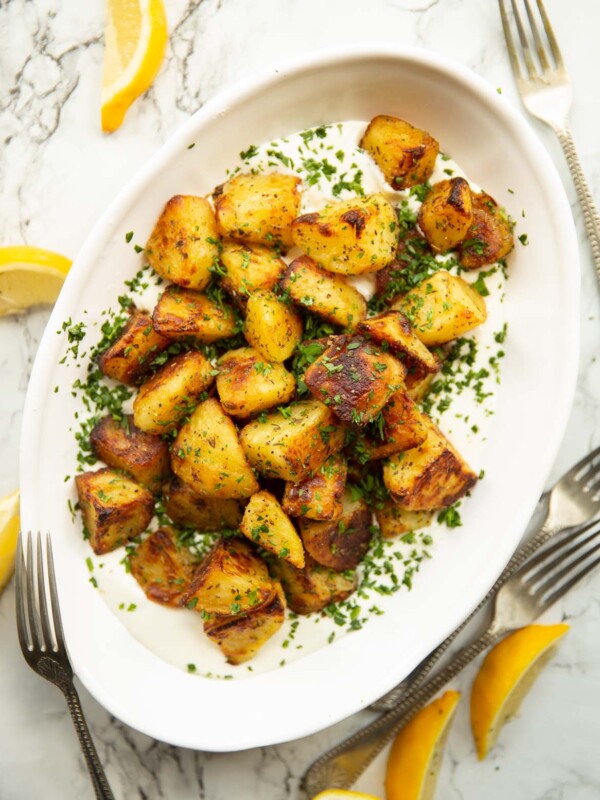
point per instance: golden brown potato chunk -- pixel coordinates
(417, 390)
(240, 636)
(314, 587)
(403, 427)
(266, 523)
(343, 543)
(320, 495)
(190, 510)
(396, 521)
(258, 208)
(249, 267)
(129, 357)
(248, 384)
(328, 296)
(431, 476)
(351, 237)
(406, 155)
(272, 327)
(207, 455)
(446, 214)
(230, 579)
(180, 313)
(122, 445)
(114, 508)
(442, 308)
(490, 237)
(166, 398)
(184, 244)
(354, 378)
(162, 567)
(292, 445)
(392, 330)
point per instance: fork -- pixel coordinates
(546, 92)
(43, 645)
(571, 501)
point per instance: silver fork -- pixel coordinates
(545, 89)
(43, 645)
(543, 580)
(571, 501)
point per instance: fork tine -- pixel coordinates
(31, 600)
(539, 45)
(554, 578)
(584, 466)
(510, 42)
(43, 604)
(550, 36)
(58, 629)
(529, 63)
(562, 590)
(24, 640)
(541, 556)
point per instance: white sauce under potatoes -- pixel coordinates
(176, 635)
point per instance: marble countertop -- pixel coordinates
(58, 172)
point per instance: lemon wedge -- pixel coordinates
(416, 754)
(505, 676)
(9, 531)
(342, 794)
(29, 276)
(135, 40)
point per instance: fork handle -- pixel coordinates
(340, 767)
(590, 212)
(99, 781)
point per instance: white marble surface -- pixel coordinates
(57, 173)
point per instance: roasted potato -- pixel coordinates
(230, 579)
(320, 495)
(351, 237)
(292, 445)
(490, 237)
(328, 296)
(393, 331)
(314, 587)
(207, 455)
(354, 378)
(247, 384)
(446, 214)
(266, 523)
(166, 398)
(181, 313)
(396, 521)
(162, 567)
(249, 267)
(240, 636)
(184, 244)
(189, 509)
(417, 390)
(343, 543)
(122, 445)
(114, 508)
(433, 475)
(272, 327)
(403, 427)
(258, 208)
(442, 308)
(405, 154)
(129, 357)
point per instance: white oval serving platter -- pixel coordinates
(496, 147)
